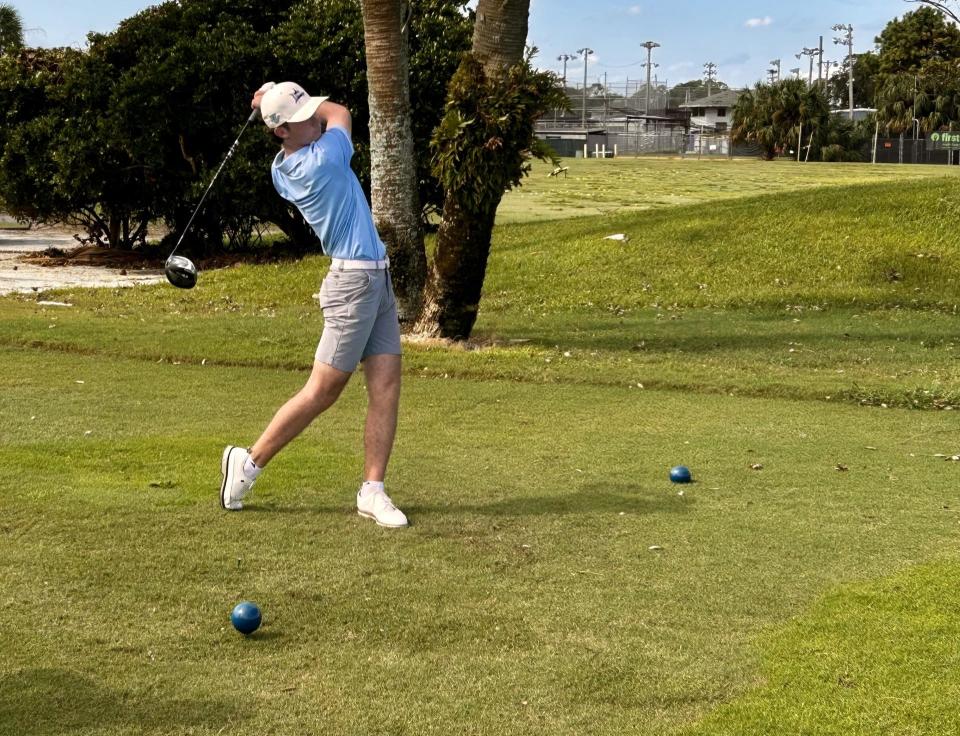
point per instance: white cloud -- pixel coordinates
(759, 22)
(634, 10)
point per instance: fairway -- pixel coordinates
(627, 184)
(793, 343)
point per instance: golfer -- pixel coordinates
(360, 324)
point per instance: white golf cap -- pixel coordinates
(287, 102)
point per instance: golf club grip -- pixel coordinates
(253, 115)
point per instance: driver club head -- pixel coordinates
(181, 272)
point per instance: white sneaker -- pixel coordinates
(235, 484)
(378, 506)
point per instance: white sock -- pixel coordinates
(371, 486)
(251, 469)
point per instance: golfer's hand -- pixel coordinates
(258, 95)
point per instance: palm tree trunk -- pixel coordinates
(459, 267)
(394, 195)
(455, 280)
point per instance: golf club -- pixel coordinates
(180, 270)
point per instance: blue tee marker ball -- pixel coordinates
(680, 474)
(246, 617)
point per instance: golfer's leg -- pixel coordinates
(383, 389)
(319, 394)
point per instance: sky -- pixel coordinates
(741, 37)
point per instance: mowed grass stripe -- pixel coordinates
(876, 657)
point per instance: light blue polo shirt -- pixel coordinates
(318, 180)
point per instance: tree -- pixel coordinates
(922, 35)
(866, 68)
(393, 182)
(920, 103)
(137, 124)
(696, 88)
(481, 149)
(11, 29)
(919, 67)
(775, 116)
(944, 7)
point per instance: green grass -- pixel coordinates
(613, 186)
(808, 596)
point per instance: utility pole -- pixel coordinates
(649, 46)
(811, 53)
(709, 73)
(848, 40)
(586, 53)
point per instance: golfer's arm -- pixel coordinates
(333, 114)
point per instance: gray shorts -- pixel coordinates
(359, 317)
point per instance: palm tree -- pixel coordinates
(774, 116)
(394, 194)
(11, 29)
(455, 279)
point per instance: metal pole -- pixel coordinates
(850, 82)
(820, 64)
(710, 70)
(848, 41)
(649, 46)
(586, 55)
(606, 109)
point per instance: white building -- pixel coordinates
(713, 114)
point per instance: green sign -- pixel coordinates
(949, 141)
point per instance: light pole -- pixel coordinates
(564, 58)
(587, 53)
(796, 72)
(848, 40)
(775, 63)
(709, 73)
(649, 46)
(820, 63)
(811, 53)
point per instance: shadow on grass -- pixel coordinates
(56, 701)
(702, 332)
(592, 498)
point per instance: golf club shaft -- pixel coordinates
(226, 158)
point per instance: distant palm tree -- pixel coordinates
(774, 116)
(11, 29)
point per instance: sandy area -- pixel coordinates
(16, 276)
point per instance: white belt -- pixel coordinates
(343, 264)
